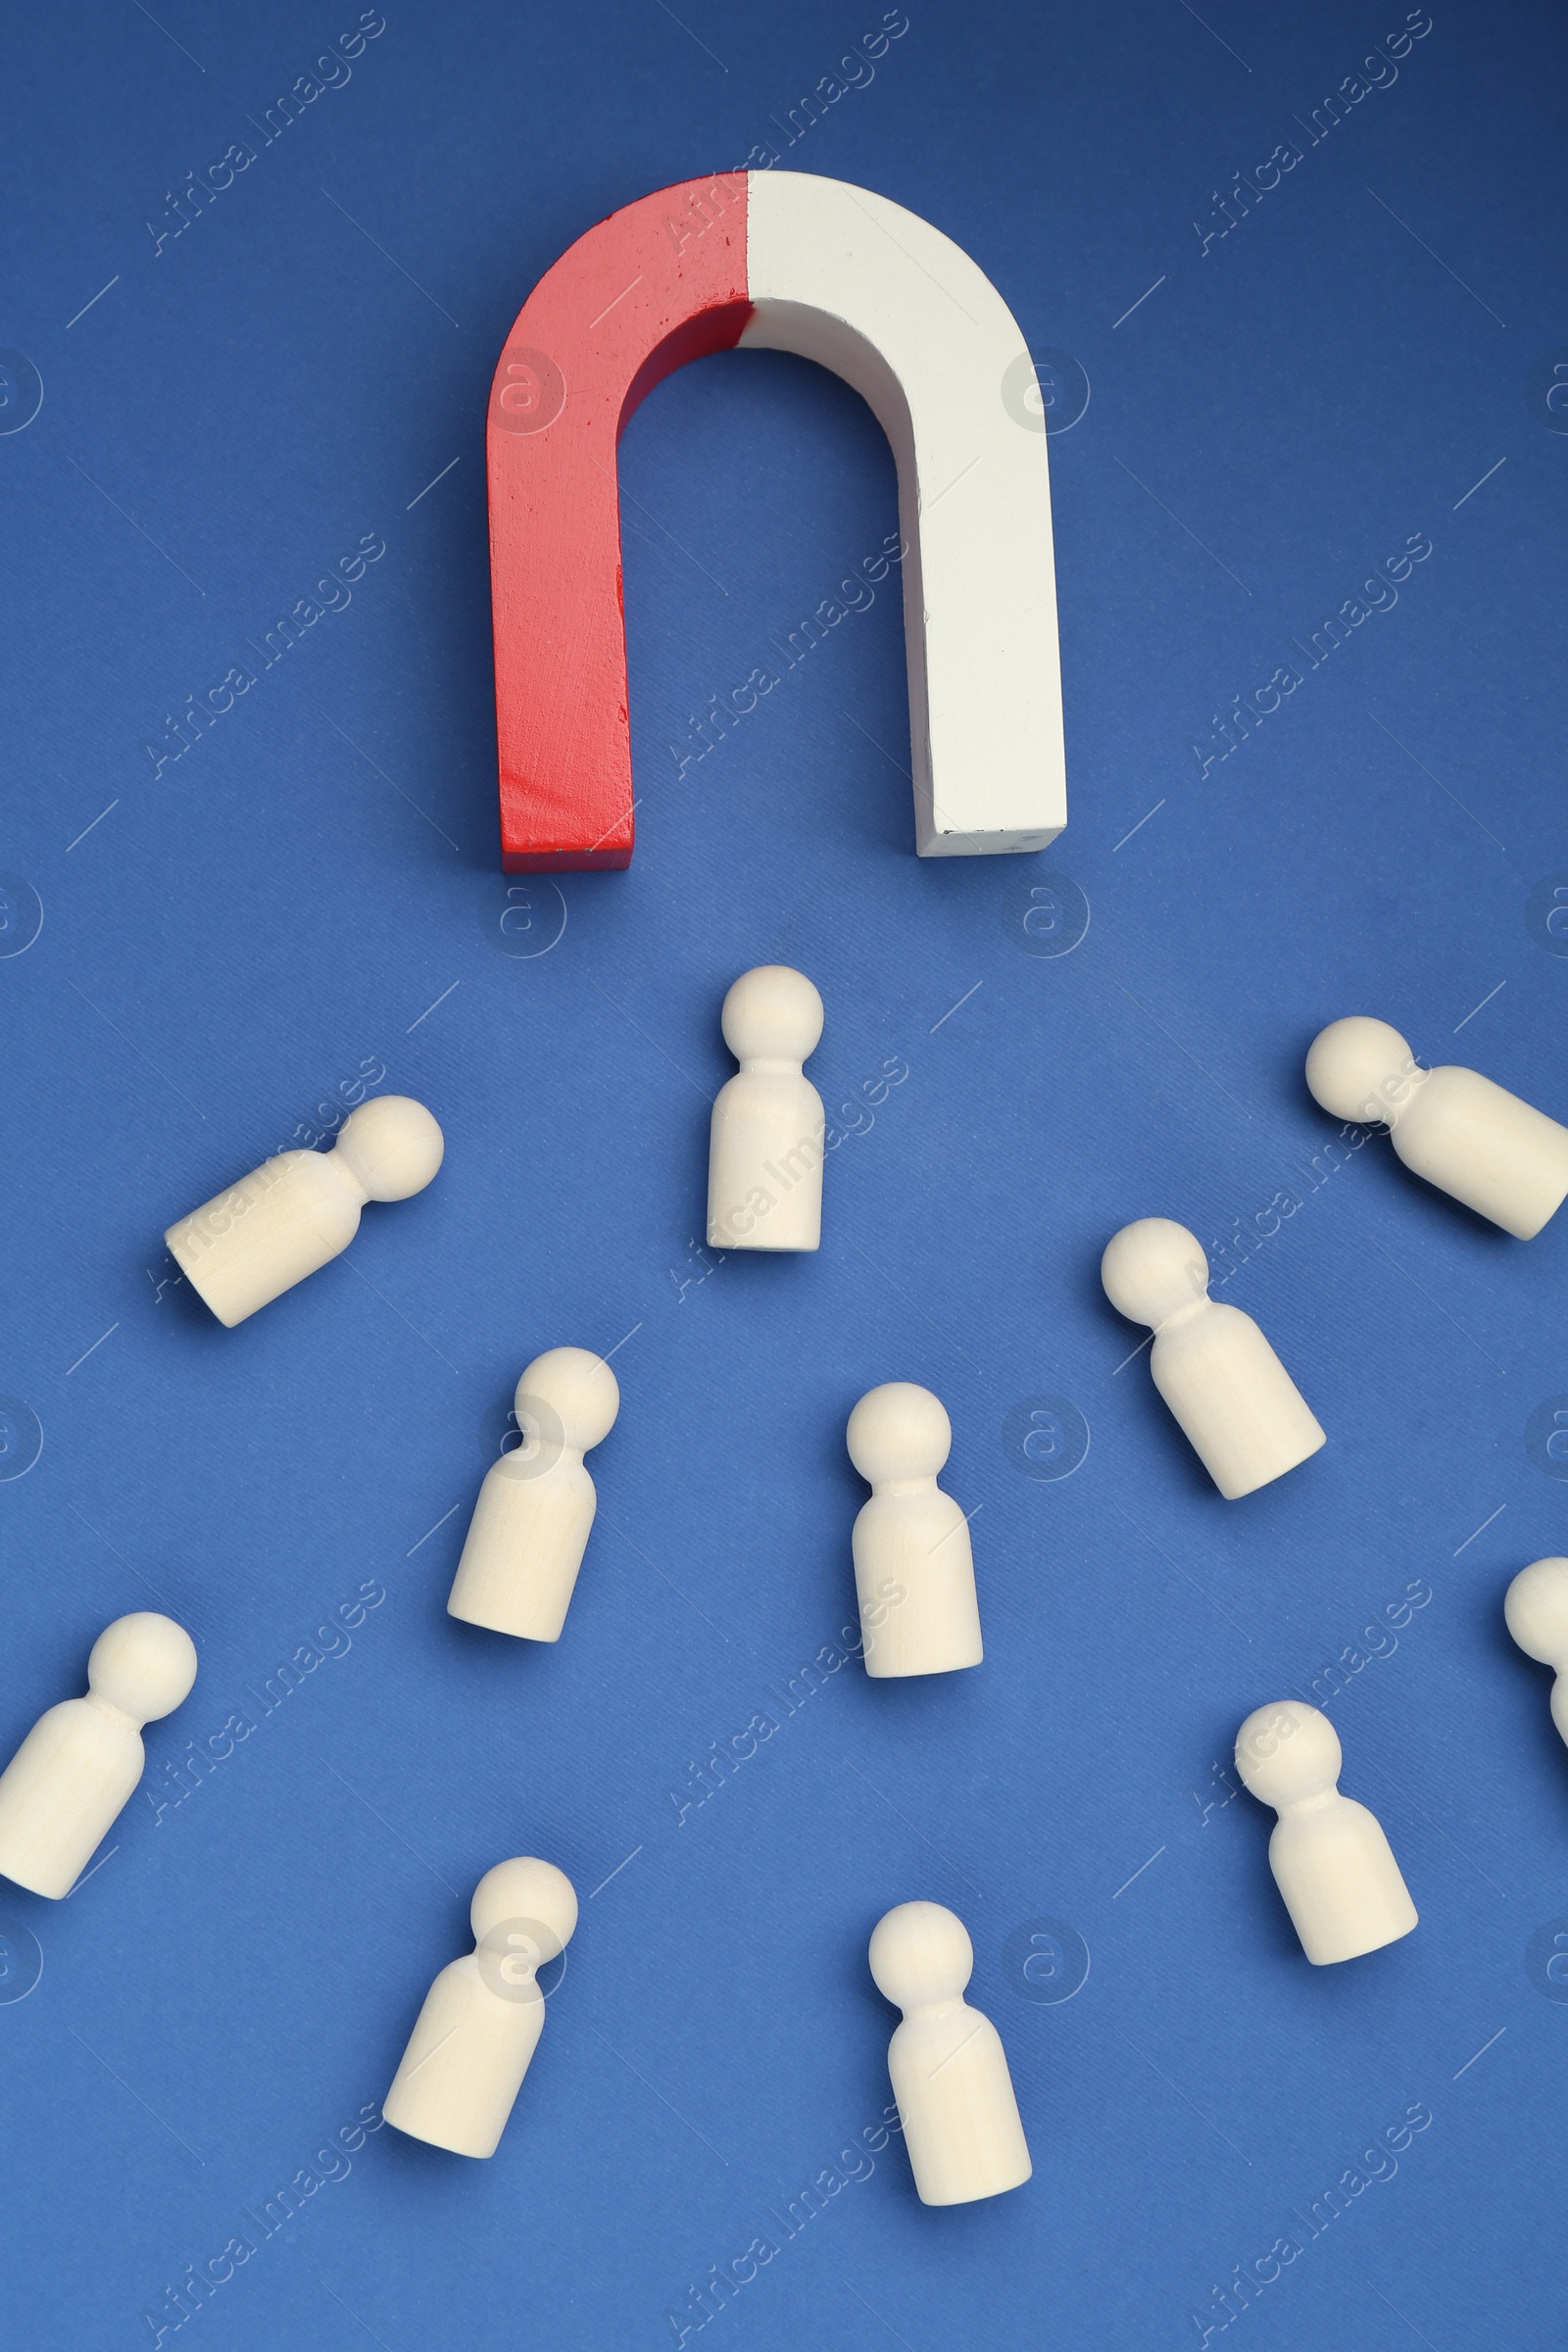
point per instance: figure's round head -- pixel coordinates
(1152, 1268)
(393, 1145)
(1359, 1068)
(1288, 1751)
(525, 1909)
(920, 1953)
(567, 1397)
(1537, 1611)
(899, 1431)
(144, 1664)
(772, 1014)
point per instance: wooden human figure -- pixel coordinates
(1240, 1409)
(1462, 1132)
(68, 1781)
(530, 1525)
(484, 2016)
(1537, 1613)
(301, 1209)
(1330, 1858)
(950, 2074)
(914, 1565)
(765, 1161)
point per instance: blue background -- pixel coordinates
(315, 886)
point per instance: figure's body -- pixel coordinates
(765, 1161)
(1239, 1407)
(483, 2018)
(949, 2069)
(74, 1772)
(913, 1564)
(530, 1525)
(1537, 1611)
(301, 1209)
(1331, 1860)
(1462, 1132)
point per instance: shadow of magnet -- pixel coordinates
(787, 261)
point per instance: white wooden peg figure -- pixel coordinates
(1537, 1613)
(77, 1769)
(530, 1525)
(1462, 1132)
(1330, 1858)
(1243, 1415)
(764, 1160)
(956, 2099)
(914, 1565)
(484, 2016)
(298, 1211)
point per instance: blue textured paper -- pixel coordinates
(310, 895)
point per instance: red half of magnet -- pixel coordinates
(661, 282)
